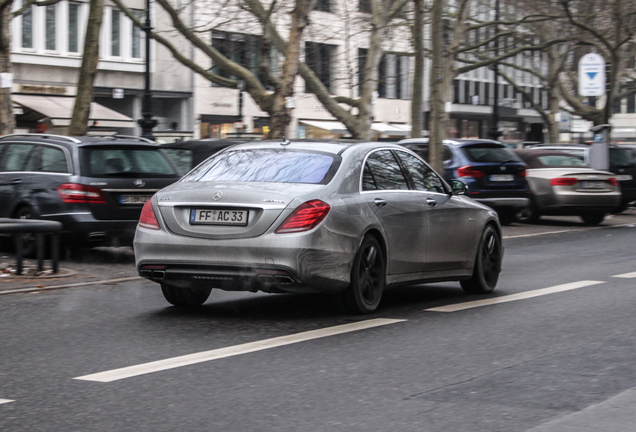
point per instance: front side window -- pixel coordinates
(266, 165)
(423, 176)
(125, 162)
(382, 172)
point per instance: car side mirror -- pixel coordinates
(458, 187)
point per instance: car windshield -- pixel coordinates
(560, 160)
(125, 162)
(266, 165)
(621, 157)
(489, 153)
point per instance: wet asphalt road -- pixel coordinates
(534, 358)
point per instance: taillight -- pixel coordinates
(147, 219)
(613, 181)
(563, 181)
(307, 216)
(522, 173)
(78, 193)
(469, 171)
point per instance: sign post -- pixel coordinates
(592, 83)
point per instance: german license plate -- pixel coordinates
(218, 217)
(134, 199)
(502, 177)
(586, 184)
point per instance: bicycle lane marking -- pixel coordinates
(186, 360)
(514, 297)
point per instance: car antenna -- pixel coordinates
(285, 142)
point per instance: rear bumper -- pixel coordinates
(81, 228)
(303, 262)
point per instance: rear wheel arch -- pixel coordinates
(379, 238)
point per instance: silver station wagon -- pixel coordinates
(347, 218)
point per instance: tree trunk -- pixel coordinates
(418, 73)
(88, 70)
(553, 125)
(7, 119)
(438, 118)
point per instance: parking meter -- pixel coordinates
(599, 150)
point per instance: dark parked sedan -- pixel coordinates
(343, 218)
(94, 186)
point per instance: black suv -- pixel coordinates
(94, 186)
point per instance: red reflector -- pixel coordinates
(307, 216)
(563, 181)
(79, 193)
(147, 219)
(470, 171)
(613, 181)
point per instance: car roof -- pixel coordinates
(78, 141)
(452, 141)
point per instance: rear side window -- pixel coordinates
(382, 172)
(422, 176)
(16, 157)
(53, 160)
(267, 165)
(125, 162)
(489, 153)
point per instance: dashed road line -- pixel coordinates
(626, 275)
(514, 297)
(175, 362)
(4, 401)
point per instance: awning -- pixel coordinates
(331, 126)
(340, 129)
(392, 129)
(59, 111)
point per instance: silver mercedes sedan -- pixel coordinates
(347, 218)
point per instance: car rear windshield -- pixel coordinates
(266, 165)
(128, 161)
(489, 153)
(560, 161)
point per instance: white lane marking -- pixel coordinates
(4, 401)
(514, 297)
(175, 362)
(565, 231)
(626, 275)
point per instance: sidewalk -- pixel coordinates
(85, 267)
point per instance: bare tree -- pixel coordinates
(88, 70)
(7, 119)
(274, 103)
(417, 122)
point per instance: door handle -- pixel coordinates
(431, 202)
(379, 202)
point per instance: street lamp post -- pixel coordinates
(147, 123)
(494, 128)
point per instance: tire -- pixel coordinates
(593, 218)
(185, 297)
(368, 279)
(506, 217)
(529, 214)
(487, 264)
(28, 239)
